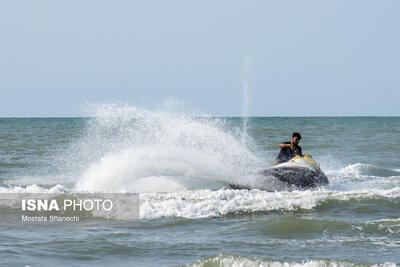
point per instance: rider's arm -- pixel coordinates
(276, 162)
(283, 145)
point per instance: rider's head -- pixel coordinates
(296, 137)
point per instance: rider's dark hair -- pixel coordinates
(296, 135)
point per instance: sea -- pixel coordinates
(180, 165)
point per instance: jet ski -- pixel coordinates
(300, 171)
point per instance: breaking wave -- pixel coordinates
(208, 203)
(235, 260)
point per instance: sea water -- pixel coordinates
(181, 166)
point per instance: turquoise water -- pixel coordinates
(181, 167)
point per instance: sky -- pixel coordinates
(283, 58)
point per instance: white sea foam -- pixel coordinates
(239, 261)
(208, 203)
(391, 226)
(360, 170)
(387, 220)
(42, 180)
(360, 176)
(34, 188)
(215, 203)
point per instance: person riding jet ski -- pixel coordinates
(294, 168)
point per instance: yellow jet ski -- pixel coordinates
(300, 171)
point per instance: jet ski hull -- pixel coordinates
(298, 176)
(300, 171)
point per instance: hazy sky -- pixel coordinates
(297, 57)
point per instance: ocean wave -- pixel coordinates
(361, 170)
(235, 260)
(389, 226)
(34, 188)
(208, 203)
(360, 176)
